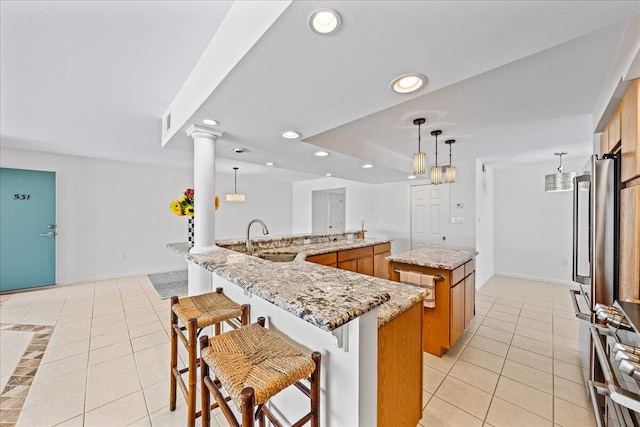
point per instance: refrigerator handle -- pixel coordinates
(576, 188)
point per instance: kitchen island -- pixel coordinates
(454, 270)
(367, 329)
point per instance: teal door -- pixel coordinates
(27, 229)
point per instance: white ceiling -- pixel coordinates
(510, 81)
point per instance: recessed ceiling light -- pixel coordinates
(321, 153)
(290, 134)
(411, 177)
(367, 166)
(408, 83)
(327, 174)
(269, 164)
(210, 122)
(325, 21)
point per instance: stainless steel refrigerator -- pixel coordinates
(595, 230)
(595, 255)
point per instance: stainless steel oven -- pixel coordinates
(616, 351)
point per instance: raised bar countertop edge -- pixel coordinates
(440, 258)
(308, 290)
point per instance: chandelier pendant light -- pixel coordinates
(436, 171)
(450, 171)
(419, 158)
(235, 196)
(560, 181)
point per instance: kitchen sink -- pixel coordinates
(278, 257)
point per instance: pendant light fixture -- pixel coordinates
(235, 196)
(419, 158)
(436, 171)
(560, 181)
(450, 171)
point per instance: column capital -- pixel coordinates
(201, 132)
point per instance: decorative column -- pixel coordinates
(204, 203)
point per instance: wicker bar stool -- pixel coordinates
(252, 364)
(195, 313)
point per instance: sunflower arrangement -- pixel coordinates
(184, 205)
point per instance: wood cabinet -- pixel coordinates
(624, 126)
(400, 370)
(610, 136)
(380, 263)
(614, 129)
(469, 298)
(330, 259)
(369, 260)
(604, 141)
(455, 304)
(630, 132)
(630, 243)
(457, 311)
(359, 260)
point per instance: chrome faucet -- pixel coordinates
(265, 230)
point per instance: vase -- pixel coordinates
(190, 231)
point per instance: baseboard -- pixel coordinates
(536, 278)
(122, 275)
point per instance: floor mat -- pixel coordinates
(170, 284)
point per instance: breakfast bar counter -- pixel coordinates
(360, 324)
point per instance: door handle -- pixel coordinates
(49, 234)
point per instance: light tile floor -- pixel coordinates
(105, 362)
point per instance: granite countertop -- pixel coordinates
(327, 247)
(308, 290)
(445, 259)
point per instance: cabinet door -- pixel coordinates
(381, 265)
(614, 129)
(630, 243)
(630, 164)
(604, 141)
(351, 265)
(469, 298)
(365, 265)
(456, 307)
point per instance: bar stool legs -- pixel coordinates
(245, 400)
(208, 309)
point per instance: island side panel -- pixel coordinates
(436, 321)
(348, 390)
(400, 370)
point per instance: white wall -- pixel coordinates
(106, 209)
(386, 208)
(266, 199)
(533, 229)
(463, 235)
(383, 207)
(484, 224)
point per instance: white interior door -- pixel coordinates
(336, 212)
(429, 215)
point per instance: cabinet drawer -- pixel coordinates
(457, 275)
(469, 267)
(324, 259)
(355, 253)
(380, 249)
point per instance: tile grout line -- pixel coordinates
(86, 381)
